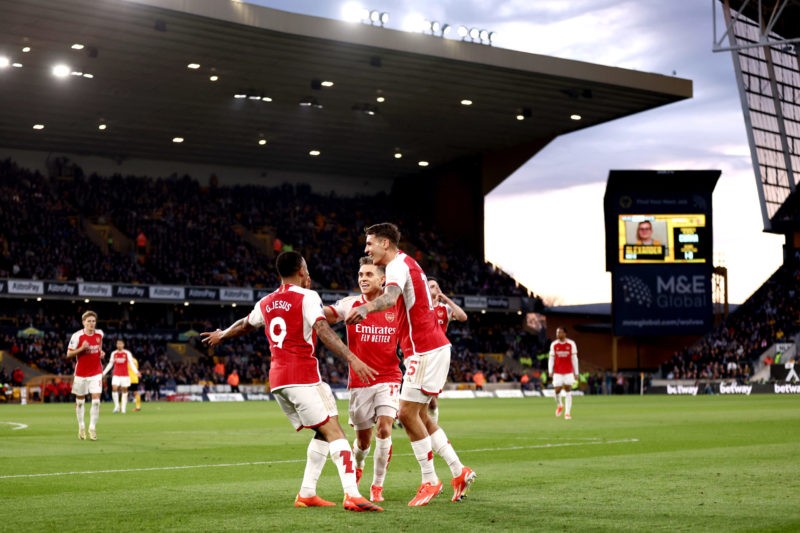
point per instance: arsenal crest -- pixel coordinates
(390, 316)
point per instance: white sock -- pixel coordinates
(359, 454)
(124, 401)
(383, 452)
(342, 457)
(445, 450)
(115, 397)
(79, 410)
(316, 455)
(424, 454)
(94, 414)
(569, 402)
(560, 399)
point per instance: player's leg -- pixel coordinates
(80, 390)
(316, 456)
(115, 395)
(433, 410)
(383, 454)
(315, 407)
(361, 448)
(569, 381)
(94, 413)
(123, 398)
(342, 456)
(558, 386)
(361, 410)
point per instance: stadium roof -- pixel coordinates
(138, 50)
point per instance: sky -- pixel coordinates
(557, 196)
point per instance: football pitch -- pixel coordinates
(623, 463)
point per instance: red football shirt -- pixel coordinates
(288, 316)
(418, 328)
(374, 341)
(88, 363)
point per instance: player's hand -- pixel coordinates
(356, 315)
(212, 338)
(366, 373)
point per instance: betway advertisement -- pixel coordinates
(653, 300)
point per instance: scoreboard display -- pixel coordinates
(663, 238)
(660, 251)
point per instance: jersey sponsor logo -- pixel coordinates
(375, 330)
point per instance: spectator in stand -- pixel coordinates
(233, 380)
(479, 379)
(17, 377)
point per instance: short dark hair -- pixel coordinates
(384, 230)
(288, 264)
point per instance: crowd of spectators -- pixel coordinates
(731, 351)
(210, 235)
(188, 233)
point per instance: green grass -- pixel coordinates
(653, 463)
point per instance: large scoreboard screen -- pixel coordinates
(660, 251)
(663, 238)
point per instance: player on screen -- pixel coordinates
(375, 403)
(563, 366)
(446, 310)
(427, 354)
(124, 366)
(86, 346)
(644, 234)
(292, 318)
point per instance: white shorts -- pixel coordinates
(368, 403)
(81, 386)
(307, 406)
(559, 380)
(121, 381)
(425, 375)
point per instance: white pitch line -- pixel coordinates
(259, 463)
(19, 426)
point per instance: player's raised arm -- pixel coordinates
(237, 329)
(384, 301)
(330, 339)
